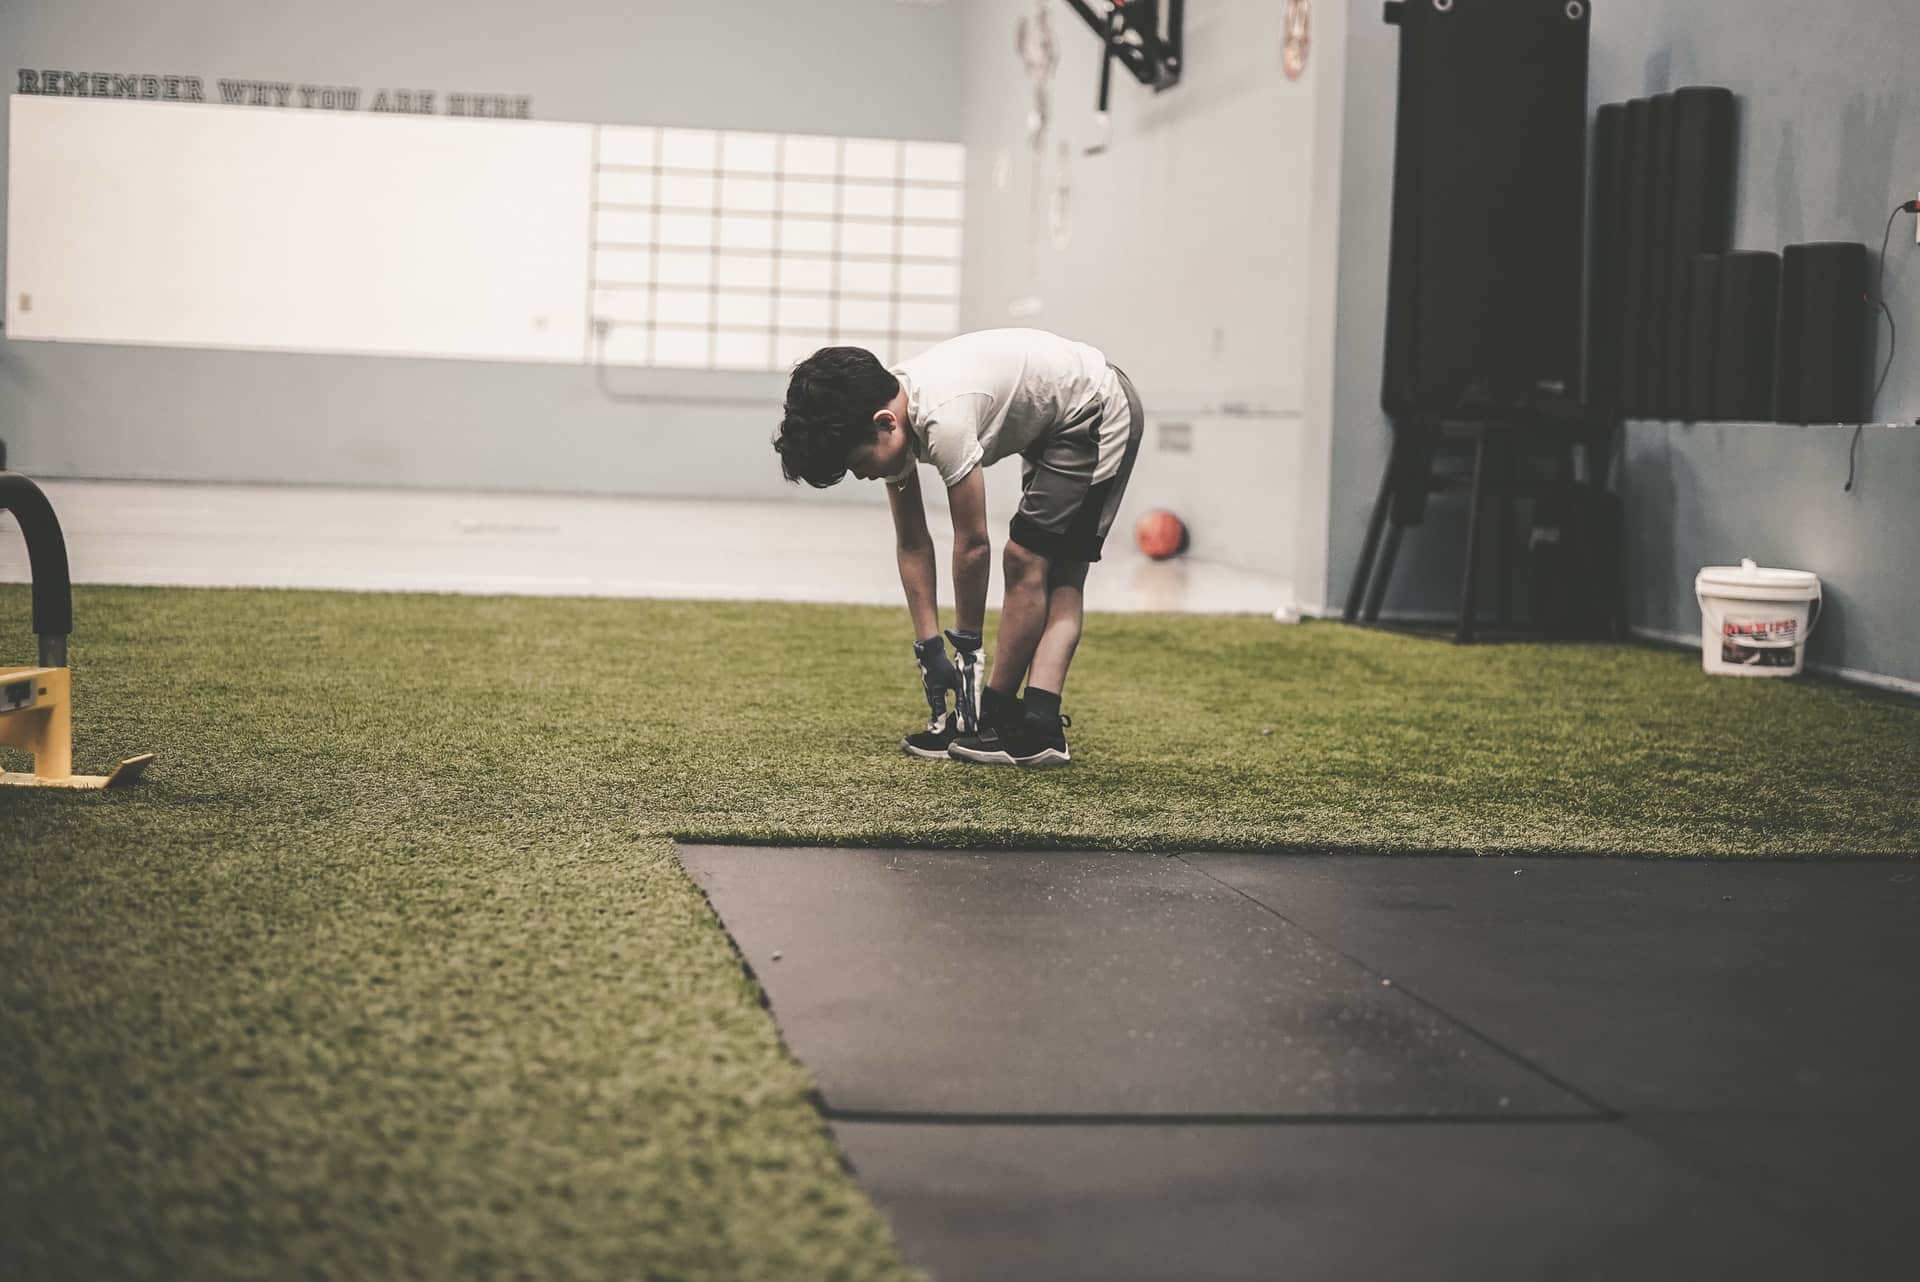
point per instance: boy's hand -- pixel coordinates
(966, 647)
(937, 675)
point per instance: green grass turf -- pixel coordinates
(389, 970)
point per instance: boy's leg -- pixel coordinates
(1023, 619)
(1066, 597)
(1064, 516)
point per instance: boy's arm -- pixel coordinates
(972, 551)
(913, 548)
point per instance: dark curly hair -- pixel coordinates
(831, 400)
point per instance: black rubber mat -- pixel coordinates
(1069, 1065)
(1436, 1201)
(1650, 985)
(1009, 985)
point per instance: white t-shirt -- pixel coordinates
(975, 399)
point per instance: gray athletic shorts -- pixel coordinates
(1064, 513)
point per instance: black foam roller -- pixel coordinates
(1703, 155)
(1607, 220)
(1634, 247)
(1654, 401)
(1702, 332)
(1821, 371)
(1744, 353)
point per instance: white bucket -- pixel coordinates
(1754, 622)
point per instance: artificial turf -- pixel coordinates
(388, 970)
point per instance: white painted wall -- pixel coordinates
(835, 67)
(1189, 253)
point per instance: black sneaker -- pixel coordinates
(1030, 742)
(934, 740)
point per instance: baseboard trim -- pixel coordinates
(1853, 676)
(1657, 636)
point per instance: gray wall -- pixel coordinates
(877, 67)
(1188, 258)
(1830, 142)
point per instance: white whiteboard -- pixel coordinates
(314, 231)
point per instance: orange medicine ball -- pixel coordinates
(1160, 534)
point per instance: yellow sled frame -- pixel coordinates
(36, 716)
(36, 704)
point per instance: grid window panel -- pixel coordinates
(746, 231)
(877, 240)
(627, 306)
(937, 162)
(683, 348)
(866, 314)
(742, 349)
(683, 307)
(744, 271)
(806, 275)
(689, 149)
(623, 226)
(930, 242)
(686, 231)
(674, 267)
(753, 250)
(740, 194)
(809, 196)
(625, 188)
(687, 191)
(749, 153)
(930, 202)
(863, 200)
(802, 311)
(627, 345)
(857, 276)
(806, 236)
(802, 154)
(622, 266)
(744, 310)
(871, 158)
(629, 145)
(790, 347)
(878, 342)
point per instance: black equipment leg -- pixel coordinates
(1464, 633)
(1384, 574)
(1375, 524)
(1506, 475)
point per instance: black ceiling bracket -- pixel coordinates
(1132, 31)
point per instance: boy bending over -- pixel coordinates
(961, 406)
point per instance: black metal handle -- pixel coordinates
(47, 560)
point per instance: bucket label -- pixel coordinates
(1778, 631)
(1759, 642)
(1753, 656)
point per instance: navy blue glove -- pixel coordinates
(937, 675)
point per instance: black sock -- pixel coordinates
(1043, 705)
(998, 709)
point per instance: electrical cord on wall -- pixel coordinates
(1893, 331)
